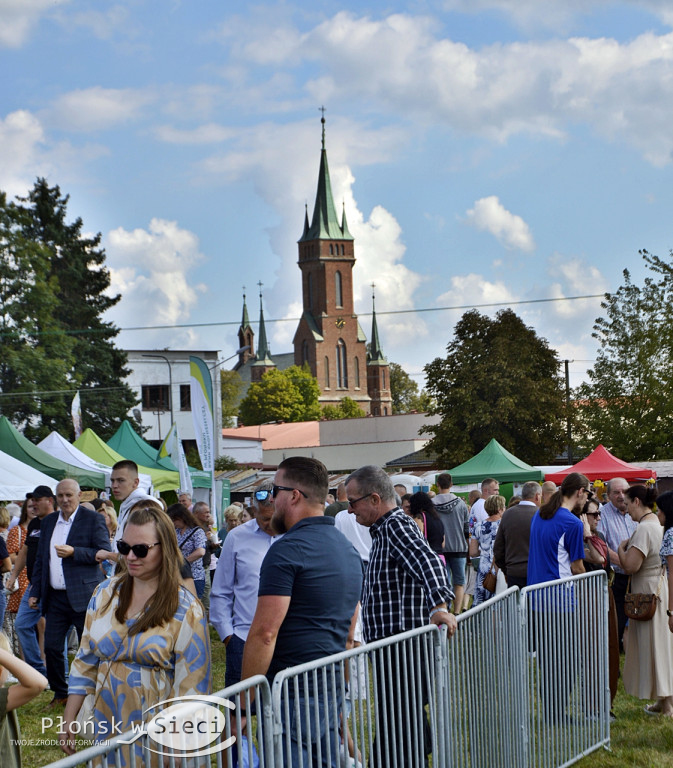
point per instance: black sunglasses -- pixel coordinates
(278, 488)
(139, 550)
(262, 495)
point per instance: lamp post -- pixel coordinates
(170, 383)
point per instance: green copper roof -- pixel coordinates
(375, 352)
(263, 351)
(245, 322)
(325, 224)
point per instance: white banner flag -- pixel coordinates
(76, 413)
(172, 447)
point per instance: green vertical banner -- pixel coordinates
(201, 390)
(225, 498)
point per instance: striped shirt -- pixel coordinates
(616, 527)
(404, 578)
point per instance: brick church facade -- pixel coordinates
(329, 337)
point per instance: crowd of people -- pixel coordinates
(294, 578)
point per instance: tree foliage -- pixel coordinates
(627, 404)
(52, 324)
(498, 380)
(404, 392)
(289, 395)
(231, 386)
(347, 408)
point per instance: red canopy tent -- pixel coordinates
(600, 464)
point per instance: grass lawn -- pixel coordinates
(638, 740)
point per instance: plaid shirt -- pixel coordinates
(404, 578)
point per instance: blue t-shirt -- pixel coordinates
(554, 544)
(321, 571)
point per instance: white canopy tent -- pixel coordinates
(17, 479)
(57, 446)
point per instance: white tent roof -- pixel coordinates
(17, 479)
(57, 446)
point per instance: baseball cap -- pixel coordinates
(41, 492)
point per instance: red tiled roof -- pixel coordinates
(301, 434)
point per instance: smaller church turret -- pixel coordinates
(378, 371)
(263, 363)
(246, 338)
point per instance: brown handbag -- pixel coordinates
(641, 606)
(490, 581)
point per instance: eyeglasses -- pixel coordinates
(262, 495)
(593, 514)
(278, 488)
(353, 502)
(139, 550)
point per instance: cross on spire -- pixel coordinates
(322, 120)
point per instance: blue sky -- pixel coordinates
(486, 151)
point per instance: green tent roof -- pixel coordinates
(496, 462)
(95, 448)
(18, 446)
(129, 443)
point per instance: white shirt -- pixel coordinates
(478, 512)
(357, 534)
(124, 508)
(59, 537)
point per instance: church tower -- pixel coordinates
(378, 372)
(329, 337)
(246, 338)
(263, 363)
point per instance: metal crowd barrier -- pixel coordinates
(523, 682)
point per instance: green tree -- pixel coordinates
(627, 404)
(225, 463)
(404, 392)
(80, 280)
(36, 357)
(289, 395)
(347, 408)
(498, 380)
(231, 385)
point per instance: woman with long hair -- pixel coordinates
(482, 543)
(425, 514)
(192, 543)
(648, 666)
(145, 637)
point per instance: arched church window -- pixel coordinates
(342, 250)
(326, 371)
(304, 351)
(342, 366)
(383, 378)
(356, 369)
(331, 249)
(338, 288)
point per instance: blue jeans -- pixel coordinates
(325, 731)
(25, 626)
(200, 585)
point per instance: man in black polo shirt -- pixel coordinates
(27, 619)
(309, 588)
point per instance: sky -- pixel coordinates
(487, 152)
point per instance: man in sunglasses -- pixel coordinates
(309, 589)
(233, 597)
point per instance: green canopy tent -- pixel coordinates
(92, 445)
(129, 443)
(496, 462)
(18, 446)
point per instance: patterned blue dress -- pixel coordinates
(484, 532)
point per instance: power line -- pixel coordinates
(417, 310)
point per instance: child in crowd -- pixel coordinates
(31, 683)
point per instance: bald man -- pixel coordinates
(65, 575)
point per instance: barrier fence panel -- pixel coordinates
(193, 734)
(376, 705)
(523, 682)
(566, 626)
(485, 688)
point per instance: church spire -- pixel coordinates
(325, 223)
(263, 351)
(246, 337)
(375, 352)
(245, 322)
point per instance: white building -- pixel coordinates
(160, 379)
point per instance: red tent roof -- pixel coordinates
(600, 464)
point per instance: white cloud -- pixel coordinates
(18, 17)
(150, 268)
(97, 108)
(490, 215)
